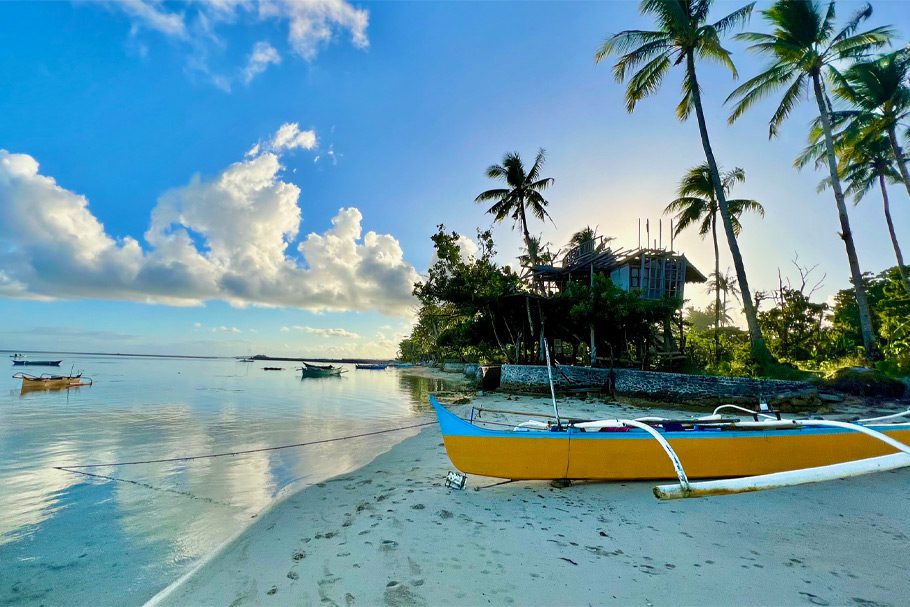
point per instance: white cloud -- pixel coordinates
(246, 218)
(151, 15)
(263, 55)
(324, 332)
(311, 26)
(290, 137)
(224, 329)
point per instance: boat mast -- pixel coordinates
(550, 377)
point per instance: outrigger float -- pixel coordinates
(762, 451)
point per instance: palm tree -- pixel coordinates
(683, 35)
(589, 234)
(805, 50)
(523, 194)
(864, 163)
(726, 282)
(880, 95)
(537, 250)
(697, 205)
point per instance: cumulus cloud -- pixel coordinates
(311, 26)
(224, 238)
(224, 329)
(323, 332)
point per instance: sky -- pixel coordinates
(246, 176)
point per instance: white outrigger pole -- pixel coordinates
(805, 476)
(546, 349)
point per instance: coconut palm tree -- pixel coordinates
(880, 95)
(805, 49)
(864, 163)
(697, 205)
(684, 35)
(522, 195)
(726, 282)
(589, 234)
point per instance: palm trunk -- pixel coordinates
(759, 349)
(897, 248)
(856, 275)
(899, 156)
(716, 289)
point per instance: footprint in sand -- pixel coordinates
(388, 545)
(298, 555)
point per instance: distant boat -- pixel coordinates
(21, 360)
(245, 360)
(402, 365)
(273, 368)
(372, 367)
(310, 370)
(46, 381)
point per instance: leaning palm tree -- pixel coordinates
(523, 194)
(697, 205)
(684, 35)
(866, 162)
(879, 93)
(806, 49)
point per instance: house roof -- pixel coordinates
(586, 256)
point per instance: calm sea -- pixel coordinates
(120, 536)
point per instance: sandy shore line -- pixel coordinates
(391, 534)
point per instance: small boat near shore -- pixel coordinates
(371, 367)
(20, 360)
(46, 381)
(311, 370)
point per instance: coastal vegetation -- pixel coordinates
(475, 309)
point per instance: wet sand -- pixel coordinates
(392, 534)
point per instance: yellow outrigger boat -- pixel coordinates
(46, 381)
(710, 447)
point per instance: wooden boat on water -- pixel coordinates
(371, 367)
(311, 370)
(21, 360)
(45, 381)
(762, 447)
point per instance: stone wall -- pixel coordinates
(668, 387)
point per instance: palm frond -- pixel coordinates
(646, 81)
(736, 19)
(756, 88)
(787, 103)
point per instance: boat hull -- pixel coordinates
(635, 455)
(321, 372)
(37, 363)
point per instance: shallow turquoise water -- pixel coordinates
(71, 539)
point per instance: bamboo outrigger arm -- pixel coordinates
(796, 477)
(684, 484)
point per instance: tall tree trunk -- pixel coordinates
(856, 275)
(899, 156)
(902, 271)
(759, 349)
(716, 290)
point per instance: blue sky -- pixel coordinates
(186, 239)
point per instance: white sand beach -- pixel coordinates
(391, 534)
